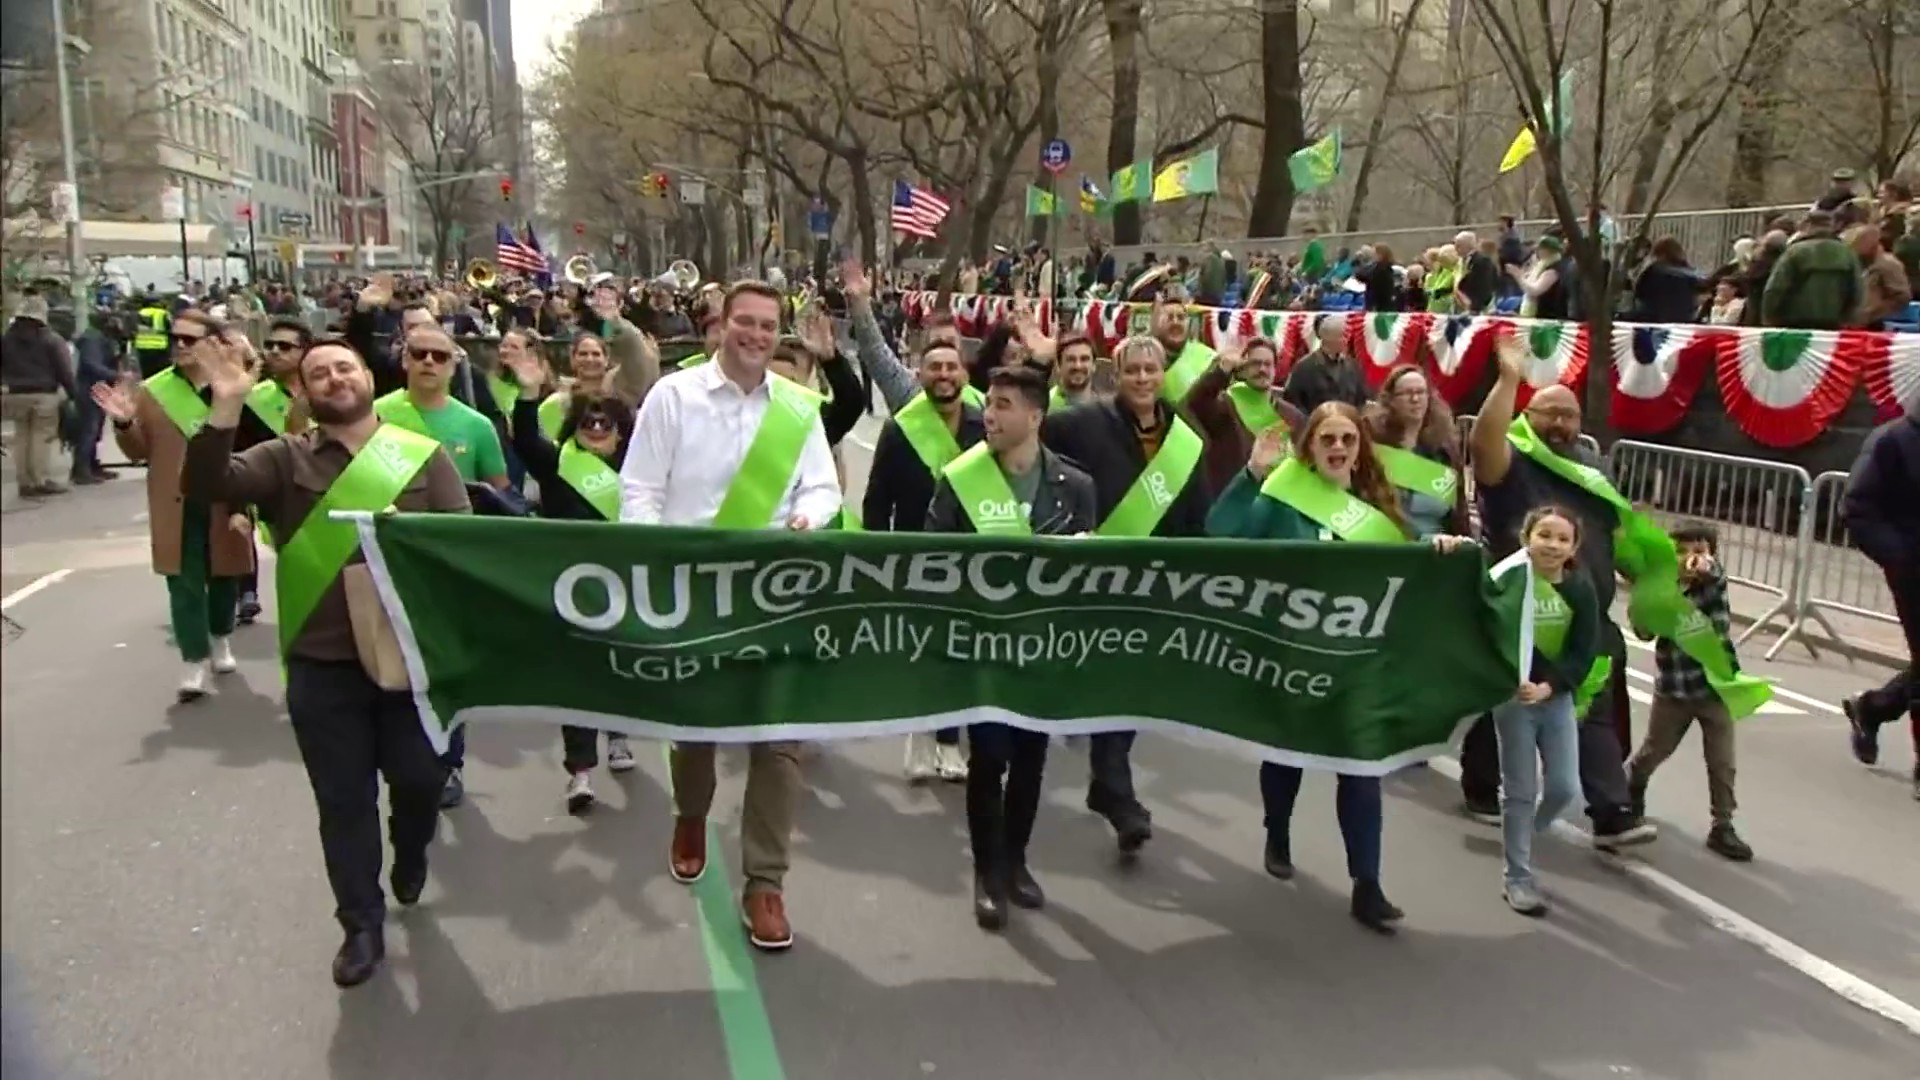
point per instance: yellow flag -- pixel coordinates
(1518, 151)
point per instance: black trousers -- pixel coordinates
(1110, 789)
(351, 733)
(1000, 821)
(1603, 774)
(1901, 694)
(580, 747)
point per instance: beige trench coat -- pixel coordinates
(155, 439)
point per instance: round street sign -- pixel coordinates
(1055, 155)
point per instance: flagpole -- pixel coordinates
(1206, 204)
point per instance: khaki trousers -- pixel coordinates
(1667, 723)
(766, 819)
(36, 434)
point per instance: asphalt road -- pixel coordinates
(165, 908)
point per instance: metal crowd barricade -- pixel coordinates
(1833, 574)
(1758, 508)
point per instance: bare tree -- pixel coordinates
(1377, 123)
(450, 143)
(1532, 47)
(1283, 116)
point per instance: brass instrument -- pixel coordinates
(579, 269)
(685, 275)
(482, 275)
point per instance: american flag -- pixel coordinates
(917, 212)
(512, 254)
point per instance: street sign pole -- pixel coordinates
(1054, 158)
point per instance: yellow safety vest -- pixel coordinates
(152, 336)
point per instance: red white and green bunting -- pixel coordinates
(1556, 356)
(1657, 370)
(1460, 347)
(1892, 373)
(1783, 387)
(1383, 340)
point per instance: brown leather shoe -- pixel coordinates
(687, 858)
(765, 914)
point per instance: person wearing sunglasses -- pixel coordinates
(204, 560)
(576, 469)
(1334, 489)
(426, 406)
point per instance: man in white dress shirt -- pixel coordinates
(684, 466)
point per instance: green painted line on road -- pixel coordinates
(745, 1028)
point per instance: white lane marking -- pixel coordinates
(1771, 708)
(42, 582)
(1805, 700)
(1846, 984)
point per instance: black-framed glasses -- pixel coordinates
(596, 422)
(281, 346)
(186, 341)
(438, 356)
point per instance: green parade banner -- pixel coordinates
(1357, 658)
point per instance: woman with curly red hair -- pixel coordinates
(1334, 489)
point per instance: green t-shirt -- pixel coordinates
(469, 438)
(1025, 487)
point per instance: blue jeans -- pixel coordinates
(1546, 730)
(1356, 800)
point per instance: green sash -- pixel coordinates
(973, 397)
(1255, 408)
(594, 479)
(270, 403)
(1146, 502)
(1339, 512)
(767, 469)
(985, 495)
(505, 392)
(694, 361)
(1552, 619)
(927, 433)
(1655, 602)
(1185, 370)
(179, 400)
(1406, 469)
(553, 415)
(395, 408)
(848, 520)
(321, 546)
(1057, 399)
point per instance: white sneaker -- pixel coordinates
(195, 682)
(922, 762)
(950, 763)
(579, 794)
(619, 754)
(222, 661)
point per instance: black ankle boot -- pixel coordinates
(359, 957)
(989, 900)
(1278, 858)
(1023, 890)
(1372, 908)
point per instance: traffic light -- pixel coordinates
(657, 185)
(506, 191)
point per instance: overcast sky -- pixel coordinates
(536, 23)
